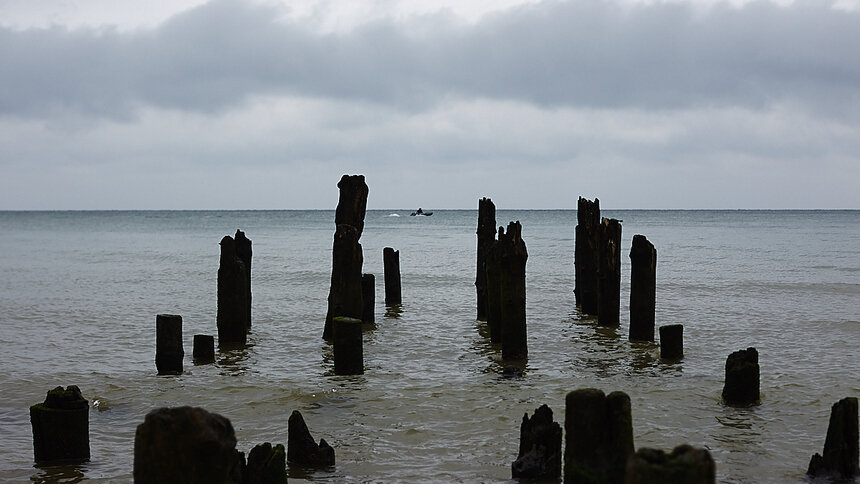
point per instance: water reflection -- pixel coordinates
(234, 361)
(740, 430)
(393, 311)
(69, 473)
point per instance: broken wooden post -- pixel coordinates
(742, 378)
(368, 296)
(391, 266)
(609, 274)
(184, 445)
(540, 447)
(61, 429)
(168, 344)
(598, 436)
(233, 297)
(345, 298)
(486, 235)
(672, 342)
(840, 458)
(204, 349)
(685, 465)
(512, 256)
(302, 451)
(494, 292)
(348, 346)
(643, 288)
(267, 464)
(243, 252)
(586, 256)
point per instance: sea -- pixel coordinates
(80, 291)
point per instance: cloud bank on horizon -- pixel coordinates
(230, 104)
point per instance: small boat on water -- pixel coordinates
(420, 212)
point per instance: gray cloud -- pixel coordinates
(588, 54)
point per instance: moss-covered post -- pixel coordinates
(598, 436)
(609, 274)
(204, 349)
(243, 252)
(494, 292)
(540, 447)
(512, 256)
(672, 342)
(345, 294)
(685, 464)
(840, 458)
(233, 297)
(168, 344)
(348, 346)
(61, 428)
(391, 266)
(643, 288)
(742, 378)
(267, 464)
(368, 296)
(586, 255)
(486, 235)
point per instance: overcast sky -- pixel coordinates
(229, 104)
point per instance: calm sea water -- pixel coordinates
(79, 292)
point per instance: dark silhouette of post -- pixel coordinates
(345, 295)
(742, 378)
(598, 436)
(233, 297)
(168, 344)
(243, 252)
(840, 459)
(609, 274)
(643, 288)
(348, 346)
(61, 427)
(204, 349)
(672, 342)
(540, 447)
(494, 292)
(302, 451)
(267, 464)
(486, 236)
(512, 256)
(391, 266)
(368, 296)
(586, 258)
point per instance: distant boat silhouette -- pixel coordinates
(420, 212)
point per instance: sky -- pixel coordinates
(264, 104)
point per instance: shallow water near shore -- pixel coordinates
(80, 292)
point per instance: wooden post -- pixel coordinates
(672, 342)
(742, 378)
(486, 236)
(368, 296)
(61, 427)
(840, 459)
(348, 349)
(512, 256)
(391, 266)
(586, 255)
(204, 349)
(685, 464)
(233, 297)
(243, 252)
(494, 292)
(168, 344)
(609, 275)
(598, 436)
(302, 451)
(643, 288)
(540, 447)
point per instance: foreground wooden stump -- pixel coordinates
(61, 427)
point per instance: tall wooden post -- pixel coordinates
(486, 237)
(233, 297)
(643, 288)
(586, 254)
(512, 271)
(609, 275)
(391, 266)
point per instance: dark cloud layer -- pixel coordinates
(573, 54)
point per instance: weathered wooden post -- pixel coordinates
(266, 465)
(302, 451)
(586, 255)
(186, 445)
(685, 465)
(540, 447)
(742, 378)
(233, 297)
(243, 252)
(168, 344)
(643, 288)
(672, 342)
(494, 292)
(204, 349)
(486, 236)
(61, 427)
(512, 256)
(345, 295)
(368, 296)
(598, 436)
(840, 459)
(609, 274)
(391, 266)
(348, 346)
